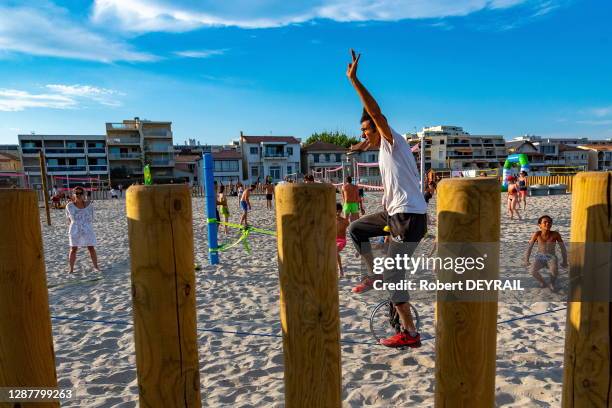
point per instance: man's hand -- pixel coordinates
(351, 71)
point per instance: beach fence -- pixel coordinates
(163, 293)
(550, 180)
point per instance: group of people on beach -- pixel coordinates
(402, 221)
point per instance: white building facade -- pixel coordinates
(273, 156)
(452, 148)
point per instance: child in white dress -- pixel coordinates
(81, 232)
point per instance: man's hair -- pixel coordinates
(545, 216)
(366, 116)
(338, 207)
(349, 179)
(222, 188)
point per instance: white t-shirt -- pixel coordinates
(400, 177)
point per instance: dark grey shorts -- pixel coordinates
(406, 231)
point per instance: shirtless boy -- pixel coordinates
(351, 200)
(269, 189)
(245, 204)
(341, 226)
(546, 257)
(222, 203)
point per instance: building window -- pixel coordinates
(338, 157)
(289, 169)
(372, 158)
(226, 165)
(289, 151)
(255, 171)
(316, 158)
(441, 142)
(327, 157)
(254, 150)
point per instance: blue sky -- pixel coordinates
(214, 68)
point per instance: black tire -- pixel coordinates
(381, 326)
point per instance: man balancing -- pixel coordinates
(404, 208)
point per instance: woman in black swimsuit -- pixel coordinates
(522, 185)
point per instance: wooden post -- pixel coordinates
(309, 311)
(43, 176)
(26, 343)
(163, 295)
(587, 378)
(466, 331)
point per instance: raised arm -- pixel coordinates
(369, 103)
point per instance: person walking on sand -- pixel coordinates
(269, 189)
(80, 232)
(522, 186)
(404, 211)
(245, 204)
(513, 198)
(351, 201)
(222, 203)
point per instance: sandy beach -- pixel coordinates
(240, 348)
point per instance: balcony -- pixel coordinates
(53, 151)
(466, 144)
(98, 168)
(121, 126)
(124, 156)
(66, 169)
(275, 155)
(123, 141)
(30, 150)
(159, 149)
(162, 163)
(96, 150)
(161, 133)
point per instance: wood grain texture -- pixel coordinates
(163, 294)
(26, 344)
(468, 214)
(309, 308)
(587, 379)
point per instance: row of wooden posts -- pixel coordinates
(164, 301)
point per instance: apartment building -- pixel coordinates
(10, 167)
(319, 156)
(557, 153)
(599, 156)
(133, 143)
(274, 156)
(452, 148)
(70, 159)
(357, 153)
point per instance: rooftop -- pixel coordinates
(260, 139)
(226, 154)
(319, 146)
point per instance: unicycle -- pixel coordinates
(385, 322)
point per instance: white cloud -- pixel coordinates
(601, 122)
(103, 96)
(13, 100)
(47, 31)
(141, 16)
(200, 53)
(601, 112)
(60, 97)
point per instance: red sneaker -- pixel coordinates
(364, 286)
(402, 340)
